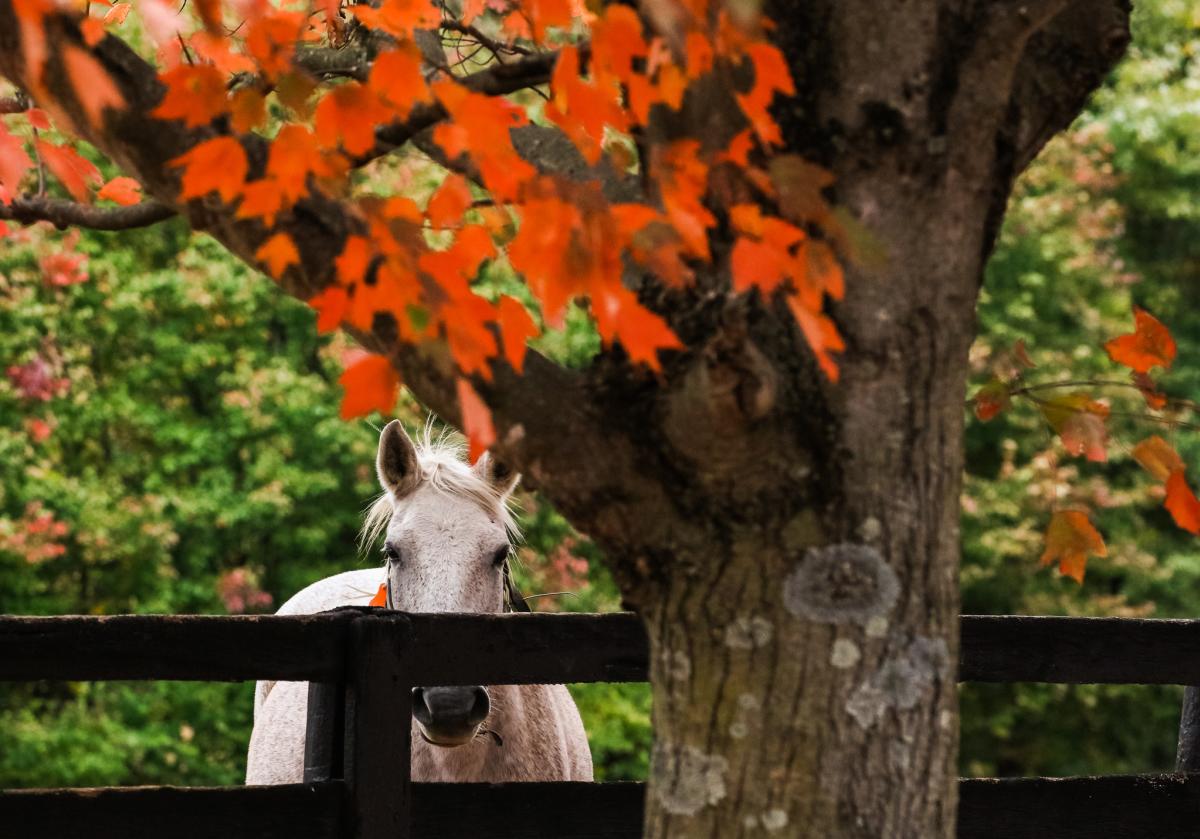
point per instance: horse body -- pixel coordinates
(445, 526)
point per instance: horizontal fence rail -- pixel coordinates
(1113, 807)
(539, 648)
(287, 811)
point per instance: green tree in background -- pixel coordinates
(1106, 218)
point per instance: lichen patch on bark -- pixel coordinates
(841, 583)
(689, 779)
(845, 654)
(900, 682)
(746, 633)
(746, 717)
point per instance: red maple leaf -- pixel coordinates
(217, 165)
(195, 94)
(370, 382)
(76, 172)
(121, 190)
(1149, 345)
(476, 420)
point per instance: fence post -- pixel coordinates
(323, 737)
(378, 729)
(1187, 753)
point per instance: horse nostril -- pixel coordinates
(450, 707)
(480, 707)
(420, 709)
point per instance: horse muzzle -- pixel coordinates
(450, 716)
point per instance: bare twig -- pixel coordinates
(491, 43)
(62, 213)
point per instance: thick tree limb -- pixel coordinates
(1060, 66)
(62, 213)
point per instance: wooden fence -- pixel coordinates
(362, 664)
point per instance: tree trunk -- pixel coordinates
(804, 657)
(803, 668)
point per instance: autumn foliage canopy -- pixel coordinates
(287, 101)
(244, 67)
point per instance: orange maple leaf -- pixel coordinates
(583, 109)
(195, 94)
(75, 171)
(271, 40)
(331, 306)
(248, 110)
(990, 400)
(820, 332)
(277, 253)
(1158, 457)
(39, 119)
(92, 29)
(480, 125)
(370, 383)
(1182, 504)
(476, 420)
(14, 164)
(516, 327)
(121, 190)
(350, 113)
(451, 200)
(295, 154)
(1070, 538)
(351, 264)
(217, 165)
(771, 76)
(94, 87)
(396, 78)
(263, 199)
(117, 13)
(398, 17)
(1149, 345)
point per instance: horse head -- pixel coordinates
(447, 537)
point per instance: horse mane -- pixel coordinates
(441, 459)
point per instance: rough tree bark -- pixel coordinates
(791, 543)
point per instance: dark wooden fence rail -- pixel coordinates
(362, 664)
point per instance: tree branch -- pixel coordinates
(1061, 65)
(497, 80)
(62, 213)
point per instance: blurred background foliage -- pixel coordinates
(170, 441)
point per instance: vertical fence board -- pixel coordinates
(1187, 754)
(324, 731)
(378, 731)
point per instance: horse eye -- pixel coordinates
(391, 553)
(500, 555)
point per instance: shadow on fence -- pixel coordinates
(362, 664)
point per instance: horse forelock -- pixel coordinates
(441, 460)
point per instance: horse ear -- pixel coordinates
(496, 473)
(396, 463)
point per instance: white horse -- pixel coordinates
(447, 533)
